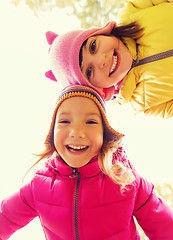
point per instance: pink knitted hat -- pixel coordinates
(64, 57)
(87, 92)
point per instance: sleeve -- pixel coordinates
(152, 213)
(134, 6)
(16, 211)
(164, 110)
(145, 3)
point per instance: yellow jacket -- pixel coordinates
(149, 87)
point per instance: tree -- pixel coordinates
(90, 12)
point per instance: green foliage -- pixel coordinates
(89, 12)
(96, 13)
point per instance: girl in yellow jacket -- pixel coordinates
(131, 61)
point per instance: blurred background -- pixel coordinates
(27, 98)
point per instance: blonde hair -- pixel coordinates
(118, 170)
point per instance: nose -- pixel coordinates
(101, 60)
(77, 131)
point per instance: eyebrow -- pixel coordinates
(87, 114)
(94, 114)
(82, 47)
(62, 113)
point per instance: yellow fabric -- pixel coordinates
(149, 87)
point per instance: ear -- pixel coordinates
(50, 36)
(50, 75)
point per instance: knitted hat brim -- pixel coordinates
(110, 134)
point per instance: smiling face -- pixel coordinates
(78, 131)
(105, 60)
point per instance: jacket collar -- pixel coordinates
(56, 164)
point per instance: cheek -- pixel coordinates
(58, 139)
(99, 79)
(99, 141)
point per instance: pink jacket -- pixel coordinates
(85, 204)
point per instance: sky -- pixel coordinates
(27, 100)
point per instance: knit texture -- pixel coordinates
(87, 92)
(64, 57)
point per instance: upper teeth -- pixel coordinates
(77, 147)
(114, 64)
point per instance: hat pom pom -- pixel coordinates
(50, 36)
(50, 75)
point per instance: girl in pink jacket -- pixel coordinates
(88, 189)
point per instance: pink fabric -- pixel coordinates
(64, 57)
(102, 211)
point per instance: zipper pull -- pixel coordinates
(135, 63)
(74, 172)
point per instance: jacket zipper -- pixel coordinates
(73, 175)
(152, 58)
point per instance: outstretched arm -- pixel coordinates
(16, 211)
(139, 4)
(164, 110)
(153, 214)
(134, 6)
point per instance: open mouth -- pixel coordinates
(115, 61)
(73, 148)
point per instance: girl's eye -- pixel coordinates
(93, 47)
(88, 73)
(64, 121)
(91, 122)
